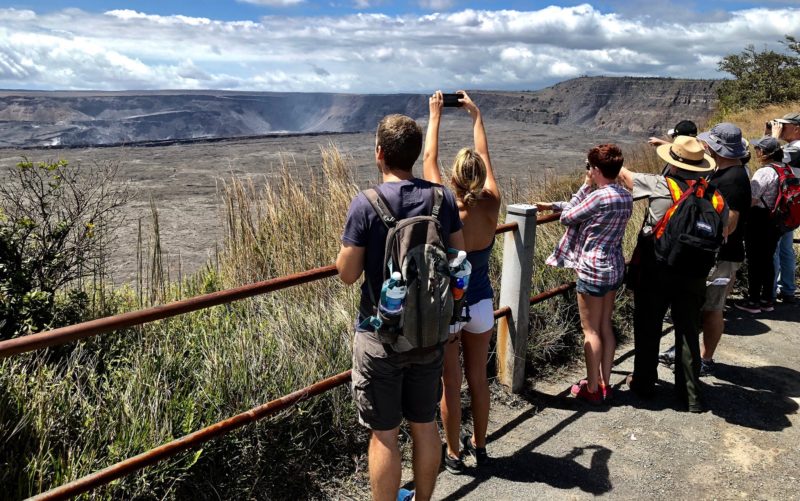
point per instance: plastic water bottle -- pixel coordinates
(460, 270)
(393, 293)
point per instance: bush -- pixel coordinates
(54, 221)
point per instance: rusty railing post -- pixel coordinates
(515, 292)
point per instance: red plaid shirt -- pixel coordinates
(592, 244)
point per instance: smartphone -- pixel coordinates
(768, 125)
(451, 100)
(588, 166)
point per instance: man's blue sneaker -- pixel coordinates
(405, 495)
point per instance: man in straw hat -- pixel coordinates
(724, 143)
(660, 286)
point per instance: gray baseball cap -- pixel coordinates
(767, 144)
(790, 118)
(726, 140)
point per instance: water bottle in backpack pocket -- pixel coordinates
(390, 308)
(460, 271)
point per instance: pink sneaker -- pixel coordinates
(582, 392)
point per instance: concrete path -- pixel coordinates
(746, 447)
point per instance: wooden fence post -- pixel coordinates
(515, 292)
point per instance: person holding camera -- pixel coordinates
(595, 218)
(478, 199)
(787, 129)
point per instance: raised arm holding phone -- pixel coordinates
(478, 199)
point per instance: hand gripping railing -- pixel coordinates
(103, 325)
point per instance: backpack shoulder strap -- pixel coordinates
(381, 207)
(438, 198)
(660, 227)
(675, 188)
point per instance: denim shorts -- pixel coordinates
(584, 287)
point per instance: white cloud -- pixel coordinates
(367, 52)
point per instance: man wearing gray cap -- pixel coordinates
(725, 145)
(786, 129)
(761, 235)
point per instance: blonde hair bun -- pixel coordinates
(468, 176)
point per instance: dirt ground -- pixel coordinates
(548, 446)
(184, 179)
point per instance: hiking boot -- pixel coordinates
(453, 465)
(766, 305)
(479, 453)
(581, 392)
(667, 357)
(748, 306)
(707, 367)
(405, 495)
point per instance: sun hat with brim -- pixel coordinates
(726, 141)
(790, 118)
(767, 144)
(686, 153)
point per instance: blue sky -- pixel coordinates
(372, 45)
(254, 9)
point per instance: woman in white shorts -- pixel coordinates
(478, 198)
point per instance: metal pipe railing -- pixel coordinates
(83, 330)
(130, 465)
(186, 442)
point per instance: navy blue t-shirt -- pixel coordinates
(363, 228)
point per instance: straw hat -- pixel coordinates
(686, 153)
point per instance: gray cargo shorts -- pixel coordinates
(388, 387)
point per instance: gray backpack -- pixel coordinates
(415, 248)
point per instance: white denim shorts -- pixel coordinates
(482, 318)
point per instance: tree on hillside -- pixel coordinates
(54, 220)
(761, 77)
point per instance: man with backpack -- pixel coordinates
(786, 129)
(399, 234)
(682, 230)
(776, 194)
(724, 143)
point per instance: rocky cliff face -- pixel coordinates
(619, 105)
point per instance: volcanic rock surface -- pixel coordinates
(75, 119)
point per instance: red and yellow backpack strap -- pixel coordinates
(676, 193)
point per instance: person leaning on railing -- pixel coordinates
(478, 198)
(596, 218)
(658, 287)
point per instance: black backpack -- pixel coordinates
(415, 248)
(689, 235)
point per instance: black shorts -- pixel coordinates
(389, 387)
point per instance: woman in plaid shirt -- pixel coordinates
(595, 218)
